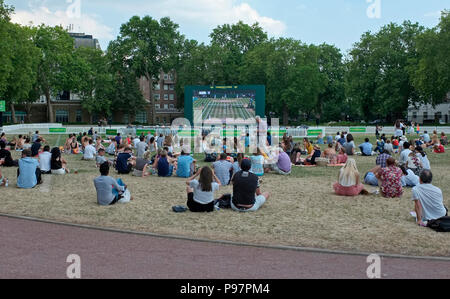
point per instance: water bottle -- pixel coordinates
(6, 183)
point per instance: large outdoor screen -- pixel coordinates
(210, 105)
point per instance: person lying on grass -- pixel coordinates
(349, 183)
(201, 192)
(109, 190)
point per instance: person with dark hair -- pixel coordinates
(28, 174)
(420, 153)
(349, 145)
(89, 151)
(109, 190)
(409, 178)
(428, 200)
(222, 168)
(201, 192)
(247, 195)
(381, 159)
(404, 155)
(5, 156)
(118, 139)
(366, 148)
(163, 164)
(45, 161)
(36, 147)
(124, 161)
(58, 163)
(185, 164)
(390, 179)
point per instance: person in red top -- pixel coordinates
(439, 149)
(390, 178)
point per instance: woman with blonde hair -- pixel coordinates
(349, 183)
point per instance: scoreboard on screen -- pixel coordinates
(224, 102)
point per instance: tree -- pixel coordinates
(430, 72)
(149, 47)
(6, 51)
(54, 73)
(25, 59)
(378, 76)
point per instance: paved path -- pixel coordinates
(39, 250)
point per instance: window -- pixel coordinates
(172, 87)
(157, 87)
(166, 87)
(414, 115)
(166, 97)
(62, 116)
(171, 106)
(166, 106)
(157, 97)
(79, 116)
(166, 77)
(141, 117)
(438, 116)
(157, 106)
(172, 97)
(425, 115)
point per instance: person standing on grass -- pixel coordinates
(109, 190)
(247, 194)
(201, 192)
(428, 200)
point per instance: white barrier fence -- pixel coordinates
(48, 129)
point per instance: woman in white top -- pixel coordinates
(201, 192)
(349, 181)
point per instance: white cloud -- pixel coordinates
(42, 15)
(433, 14)
(210, 13)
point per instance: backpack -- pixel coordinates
(440, 225)
(224, 202)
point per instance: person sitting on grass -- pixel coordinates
(404, 155)
(413, 163)
(185, 164)
(439, 149)
(350, 145)
(283, 165)
(28, 174)
(163, 165)
(201, 192)
(366, 148)
(27, 143)
(6, 157)
(330, 154)
(89, 151)
(99, 143)
(222, 168)
(348, 183)
(257, 163)
(381, 159)
(109, 190)
(67, 148)
(58, 163)
(247, 194)
(444, 140)
(35, 148)
(112, 148)
(45, 161)
(390, 179)
(420, 153)
(237, 163)
(342, 156)
(100, 158)
(428, 200)
(371, 179)
(409, 178)
(141, 167)
(125, 161)
(389, 148)
(380, 146)
(141, 147)
(19, 143)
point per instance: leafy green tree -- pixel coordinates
(54, 72)
(378, 77)
(6, 51)
(24, 63)
(148, 47)
(430, 71)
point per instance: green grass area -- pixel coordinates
(303, 210)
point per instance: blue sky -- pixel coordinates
(338, 22)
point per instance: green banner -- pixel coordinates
(111, 132)
(57, 130)
(358, 130)
(280, 132)
(187, 133)
(139, 132)
(230, 133)
(314, 133)
(2, 106)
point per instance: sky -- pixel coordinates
(337, 22)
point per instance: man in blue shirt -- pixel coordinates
(184, 165)
(426, 137)
(366, 148)
(29, 174)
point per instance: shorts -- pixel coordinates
(259, 202)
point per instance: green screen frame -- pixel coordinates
(260, 93)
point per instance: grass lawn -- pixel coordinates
(303, 210)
